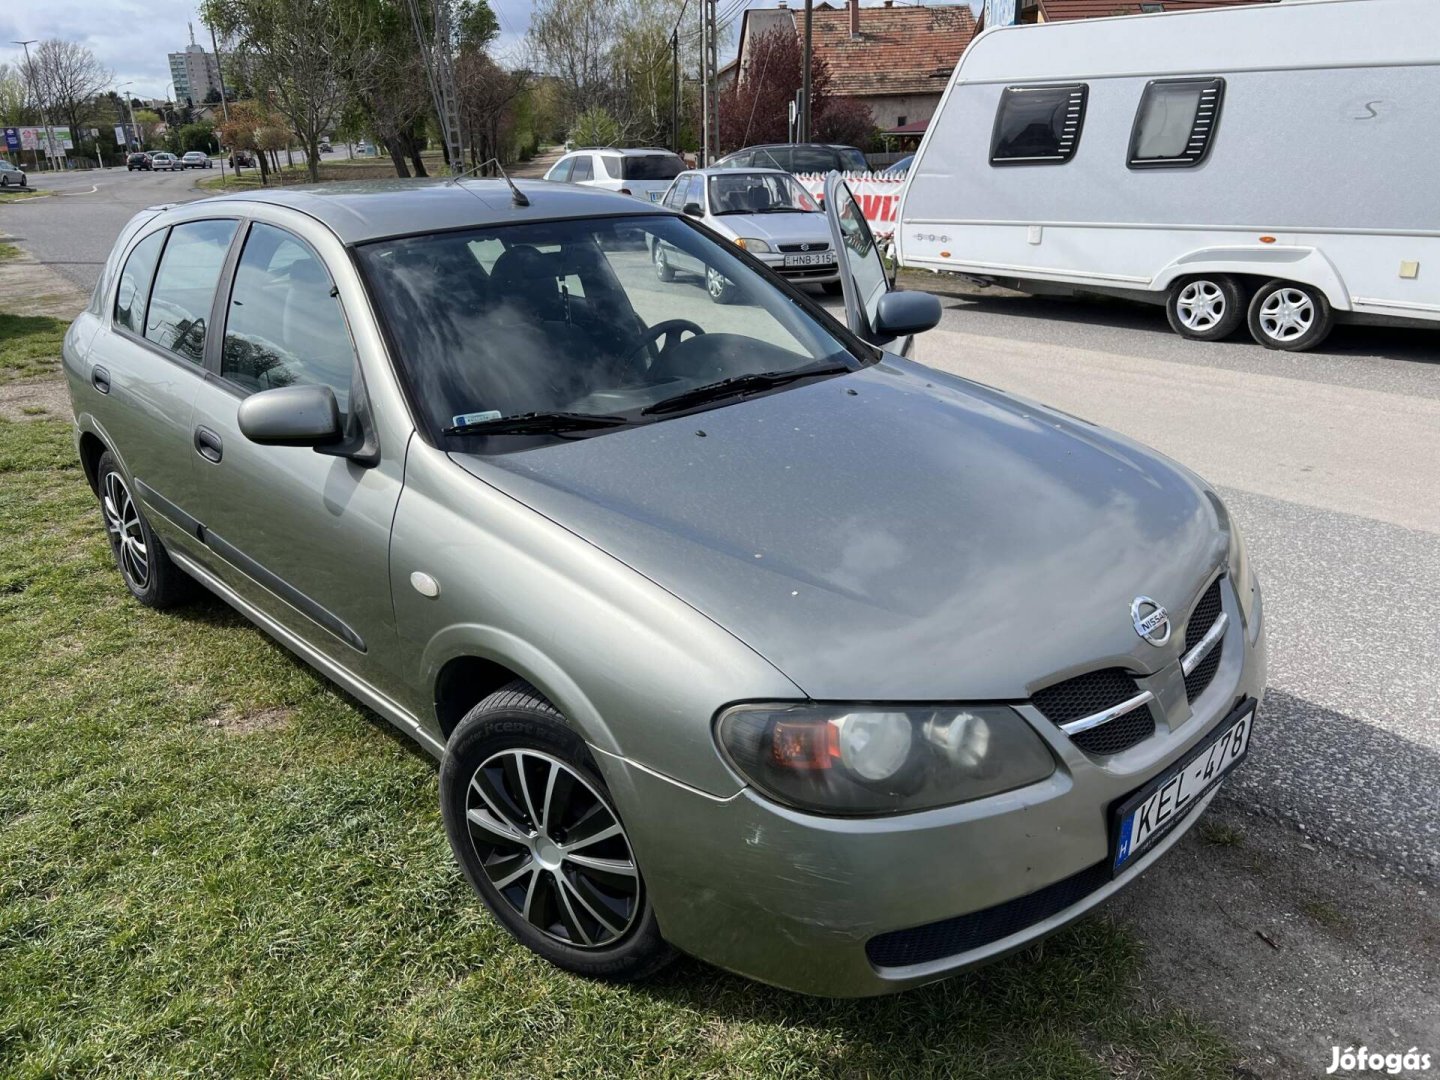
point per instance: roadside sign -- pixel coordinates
(119, 134)
(12, 139)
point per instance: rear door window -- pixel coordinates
(561, 170)
(852, 160)
(135, 282)
(185, 286)
(584, 169)
(1175, 123)
(651, 167)
(1038, 125)
(611, 165)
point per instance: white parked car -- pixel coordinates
(163, 160)
(764, 211)
(644, 172)
(194, 159)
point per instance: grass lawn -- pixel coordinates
(215, 864)
(11, 194)
(29, 344)
(9, 251)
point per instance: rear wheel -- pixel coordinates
(144, 565)
(1290, 316)
(1206, 308)
(535, 831)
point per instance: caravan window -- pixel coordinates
(1038, 125)
(1175, 123)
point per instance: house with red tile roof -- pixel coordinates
(895, 58)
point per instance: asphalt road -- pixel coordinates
(1330, 460)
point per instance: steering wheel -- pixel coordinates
(669, 329)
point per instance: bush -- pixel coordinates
(595, 127)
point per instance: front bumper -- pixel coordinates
(792, 899)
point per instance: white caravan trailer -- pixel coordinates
(1277, 164)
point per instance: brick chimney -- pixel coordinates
(854, 19)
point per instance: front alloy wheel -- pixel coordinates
(552, 848)
(533, 827)
(719, 288)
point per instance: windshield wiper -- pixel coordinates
(537, 423)
(783, 210)
(738, 385)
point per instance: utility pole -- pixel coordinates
(220, 70)
(675, 88)
(708, 71)
(805, 79)
(50, 154)
(440, 73)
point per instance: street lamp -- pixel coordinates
(50, 154)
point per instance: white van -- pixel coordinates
(1276, 164)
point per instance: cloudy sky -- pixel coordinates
(133, 38)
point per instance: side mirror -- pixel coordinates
(291, 416)
(694, 209)
(901, 313)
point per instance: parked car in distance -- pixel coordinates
(138, 160)
(644, 172)
(194, 159)
(900, 168)
(166, 161)
(797, 158)
(735, 631)
(241, 159)
(12, 175)
(325, 147)
(764, 211)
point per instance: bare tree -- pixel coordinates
(14, 98)
(488, 96)
(67, 79)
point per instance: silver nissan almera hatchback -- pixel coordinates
(735, 632)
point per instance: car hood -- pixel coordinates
(776, 228)
(892, 534)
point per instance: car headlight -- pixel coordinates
(1247, 587)
(750, 244)
(837, 759)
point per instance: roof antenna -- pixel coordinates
(516, 195)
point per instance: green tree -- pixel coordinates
(596, 127)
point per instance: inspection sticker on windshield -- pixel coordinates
(1153, 811)
(475, 417)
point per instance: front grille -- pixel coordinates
(1203, 617)
(951, 937)
(1085, 695)
(1119, 734)
(1093, 692)
(1201, 620)
(814, 245)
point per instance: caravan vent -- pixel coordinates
(1038, 125)
(1175, 123)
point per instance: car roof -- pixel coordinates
(791, 146)
(624, 151)
(741, 171)
(360, 210)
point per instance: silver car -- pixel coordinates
(734, 631)
(765, 211)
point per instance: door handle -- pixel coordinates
(100, 379)
(208, 443)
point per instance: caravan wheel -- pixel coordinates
(1206, 308)
(1290, 316)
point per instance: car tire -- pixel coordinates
(499, 758)
(663, 270)
(1290, 316)
(4, 181)
(720, 290)
(144, 565)
(833, 288)
(1207, 307)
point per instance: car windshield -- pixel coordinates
(595, 319)
(650, 167)
(759, 193)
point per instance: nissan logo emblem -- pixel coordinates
(1151, 620)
